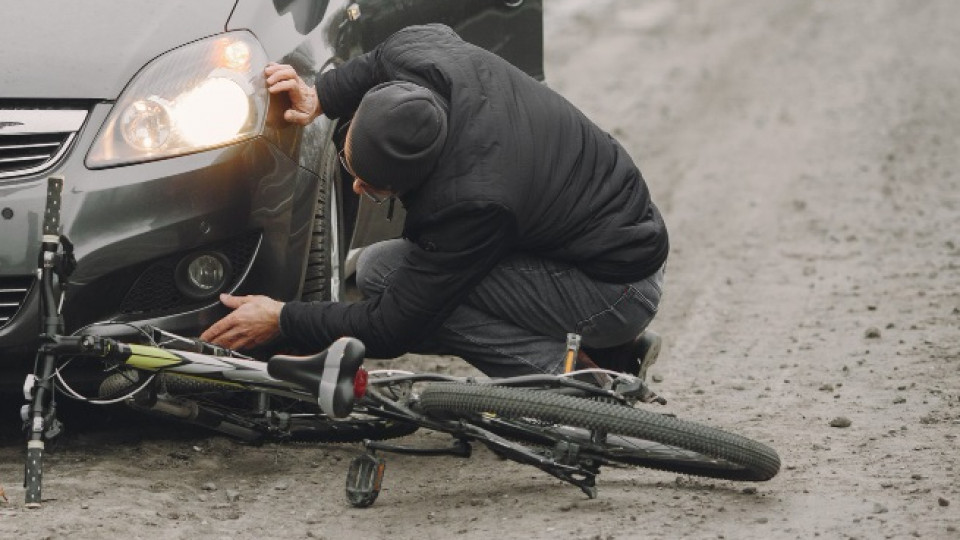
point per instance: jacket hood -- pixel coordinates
(91, 49)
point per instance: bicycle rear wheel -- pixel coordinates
(608, 432)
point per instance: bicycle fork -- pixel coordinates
(39, 415)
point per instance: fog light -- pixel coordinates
(205, 272)
(202, 275)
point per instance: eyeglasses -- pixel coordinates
(365, 186)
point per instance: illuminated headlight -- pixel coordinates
(212, 112)
(205, 94)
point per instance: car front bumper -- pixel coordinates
(132, 225)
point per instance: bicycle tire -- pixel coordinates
(347, 430)
(305, 426)
(677, 445)
(122, 383)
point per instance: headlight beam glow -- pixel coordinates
(212, 113)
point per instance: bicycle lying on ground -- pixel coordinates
(567, 425)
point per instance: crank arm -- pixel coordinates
(578, 476)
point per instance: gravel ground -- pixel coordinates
(805, 156)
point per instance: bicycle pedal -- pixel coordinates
(364, 479)
(637, 389)
(54, 429)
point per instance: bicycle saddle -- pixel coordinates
(333, 376)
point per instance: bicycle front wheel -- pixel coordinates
(607, 432)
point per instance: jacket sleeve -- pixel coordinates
(449, 259)
(416, 54)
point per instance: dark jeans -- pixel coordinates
(516, 320)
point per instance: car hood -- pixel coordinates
(92, 48)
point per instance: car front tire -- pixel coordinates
(323, 278)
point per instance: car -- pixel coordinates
(181, 179)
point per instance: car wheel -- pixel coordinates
(323, 279)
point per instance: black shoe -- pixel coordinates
(648, 349)
(634, 358)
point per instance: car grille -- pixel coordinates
(33, 139)
(13, 291)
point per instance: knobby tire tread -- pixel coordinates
(319, 268)
(120, 384)
(319, 429)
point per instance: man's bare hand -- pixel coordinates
(303, 98)
(254, 321)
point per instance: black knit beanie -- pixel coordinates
(397, 135)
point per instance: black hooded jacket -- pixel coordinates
(522, 170)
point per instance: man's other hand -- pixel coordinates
(304, 105)
(255, 320)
